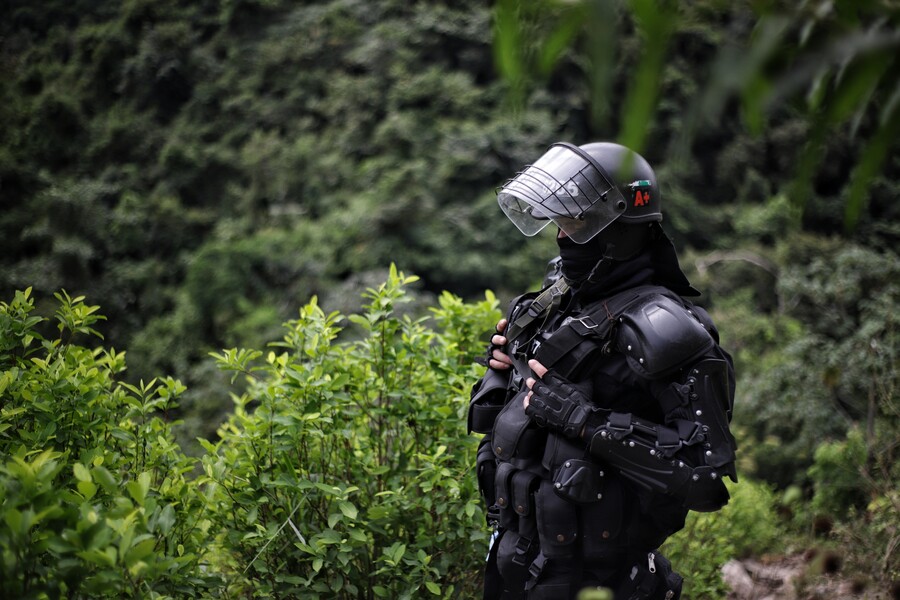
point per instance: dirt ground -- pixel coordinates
(808, 576)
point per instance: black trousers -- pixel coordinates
(529, 576)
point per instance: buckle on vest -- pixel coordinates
(535, 308)
(535, 570)
(522, 548)
(619, 425)
(587, 322)
(695, 436)
(667, 450)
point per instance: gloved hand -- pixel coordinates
(558, 404)
(495, 356)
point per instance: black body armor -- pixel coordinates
(582, 508)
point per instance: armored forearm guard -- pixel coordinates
(687, 459)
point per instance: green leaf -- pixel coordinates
(507, 40)
(5, 380)
(348, 509)
(14, 520)
(396, 552)
(87, 489)
(105, 558)
(166, 519)
(359, 535)
(329, 536)
(105, 479)
(873, 157)
(8, 413)
(655, 22)
(560, 38)
(139, 550)
(855, 87)
(138, 489)
(81, 472)
(433, 588)
(207, 445)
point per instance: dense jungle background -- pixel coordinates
(283, 214)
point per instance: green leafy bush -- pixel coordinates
(93, 494)
(837, 476)
(345, 471)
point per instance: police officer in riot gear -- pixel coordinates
(606, 405)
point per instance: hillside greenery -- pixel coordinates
(204, 170)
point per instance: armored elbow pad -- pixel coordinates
(658, 336)
(711, 401)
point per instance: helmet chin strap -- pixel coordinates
(603, 266)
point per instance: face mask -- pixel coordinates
(578, 260)
(618, 242)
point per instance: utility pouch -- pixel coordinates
(557, 522)
(487, 398)
(509, 427)
(579, 481)
(558, 449)
(512, 565)
(524, 484)
(640, 584)
(502, 489)
(553, 591)
(486, 471)
(523, 494)
(602, 523)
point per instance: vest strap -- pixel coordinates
(564, 351)
(546, 303)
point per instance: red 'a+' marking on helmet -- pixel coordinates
(641, 198)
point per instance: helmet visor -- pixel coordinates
(565, 186)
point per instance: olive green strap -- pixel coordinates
(546, 303)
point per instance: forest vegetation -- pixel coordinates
(249, 250)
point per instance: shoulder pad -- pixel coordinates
(658, 335)
(705, 320)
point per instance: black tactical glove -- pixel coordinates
(485, 360)
(559, 405)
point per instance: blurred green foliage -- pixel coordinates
(833, 64)
(212, 165)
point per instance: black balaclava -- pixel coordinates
(578, 260)
(618, 243)
(620, 257)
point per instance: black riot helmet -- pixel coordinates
(582, 189)
(606, 200)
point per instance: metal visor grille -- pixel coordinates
(564, 186)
